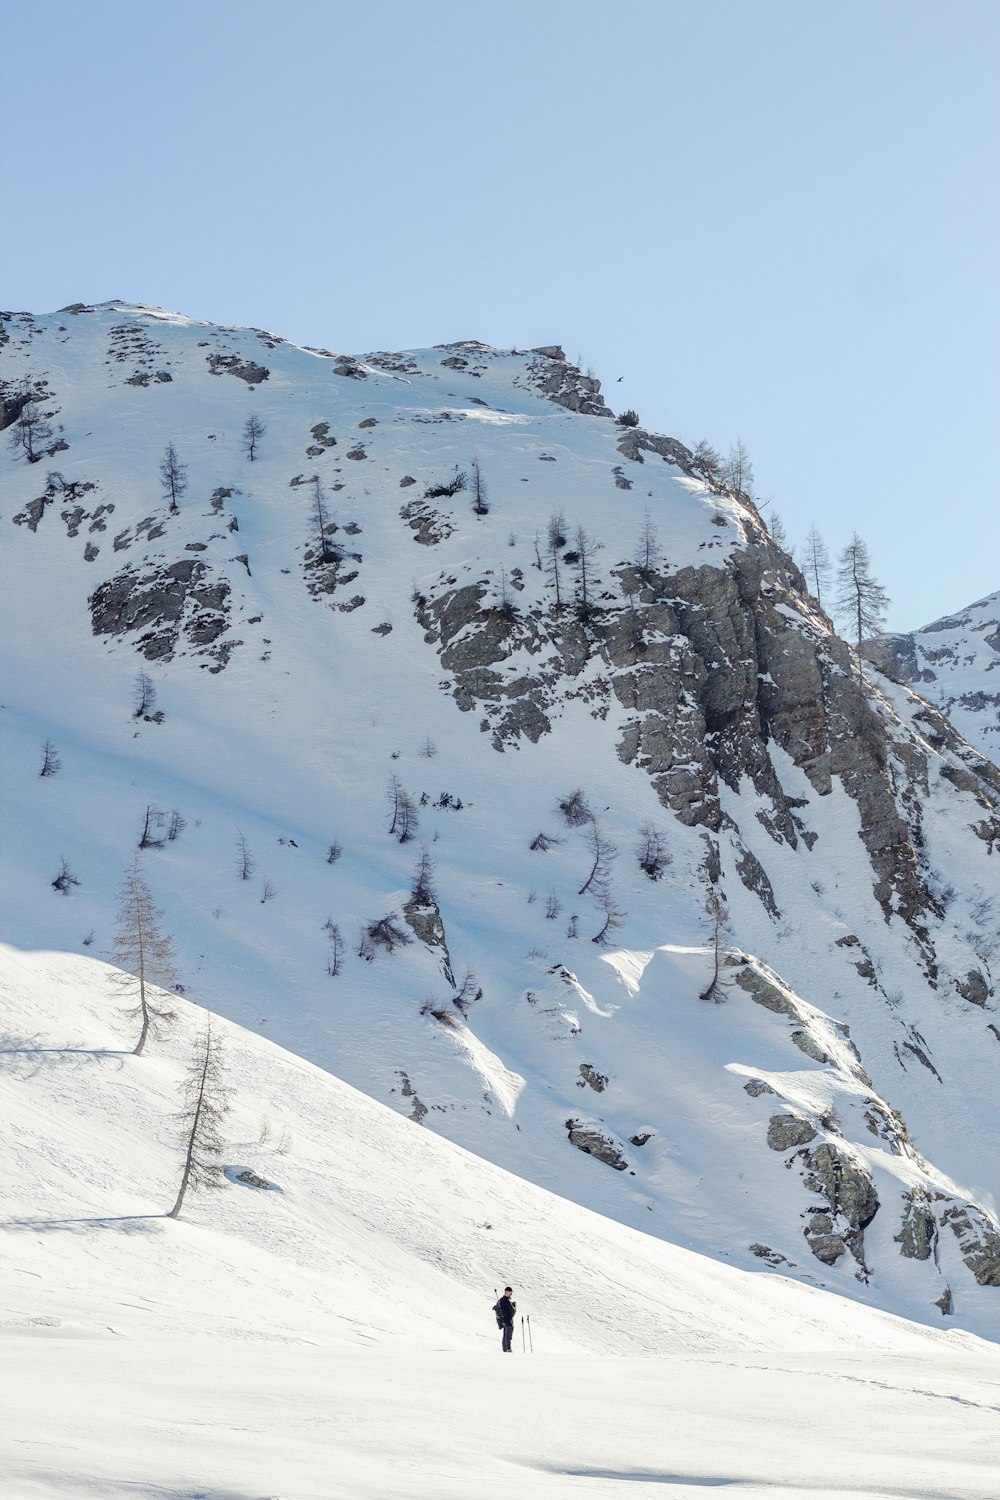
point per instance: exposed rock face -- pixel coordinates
(243, 369)
(589, 1139)
(974, 988)
(589, 1075)
(847, 1187)
(918, 1234)
(163, 605)
(849, 1193)
(786, 1131)
(712, 664)
(554, 376)
(979, 1241)
(424, 917)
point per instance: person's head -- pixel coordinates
(507, 1290)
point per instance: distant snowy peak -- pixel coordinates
(955, 664)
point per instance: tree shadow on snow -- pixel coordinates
(122, 1223)
(85, 1486)
(23, 1056)
(638, 1477)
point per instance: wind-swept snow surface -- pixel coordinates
(332, 1336)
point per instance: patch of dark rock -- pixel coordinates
(756, 1086)
(919, 1231)
(243, 369)
(974, 988)
(357, 454)
(355, 602)
(754, 877)
(248, 1178)
(641, 1138)
(384, 629)
(765, 1253)
(786, 1131)
(591, 1142)
(589, 1075)
(978, 1240)
(918, 1052)
(809, 1046)
(762, 992)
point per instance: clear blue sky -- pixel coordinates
(776, 219)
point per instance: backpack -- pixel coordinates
(499, 1318)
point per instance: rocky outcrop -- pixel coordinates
(553, 376)
(786, 1131)
(166, 605)
(918, 1233)
(978, 1236)
(243, 369)
(850, 1203)
(590, 1076)
(593, 1142)
(424, 917)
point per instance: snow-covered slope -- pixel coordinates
(325, 659)
(955, 664)
(331, 1334)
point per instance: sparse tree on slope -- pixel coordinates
(861, 600)
(648, 553)
(206, 1104)
(556, 539)
(51, 762)
(173, 477)
(777, 532)
(324, 524)
(708, 463)
(30, 431)
(143, 695)
(480, 501)
(144, 953)
(253, 430)
(737, 475)
(816, 564)
(586, 572)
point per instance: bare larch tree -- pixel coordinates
(861, 600)
(253, 430)
(50, 760)
(324, 524)
(816, 564)
(30, 430)
(480, 501)
(173, 477)
(206, 1103)
(144, 954)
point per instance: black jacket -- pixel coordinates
(505, 1310)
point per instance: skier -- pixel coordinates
(505, 1310)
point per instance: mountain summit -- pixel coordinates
(484, 749)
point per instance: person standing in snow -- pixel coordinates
(505, 1310)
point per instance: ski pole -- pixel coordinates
(522, 1335)
(530, 1344)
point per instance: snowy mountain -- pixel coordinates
(436, 676)
(955, 664)
(321, 1326)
